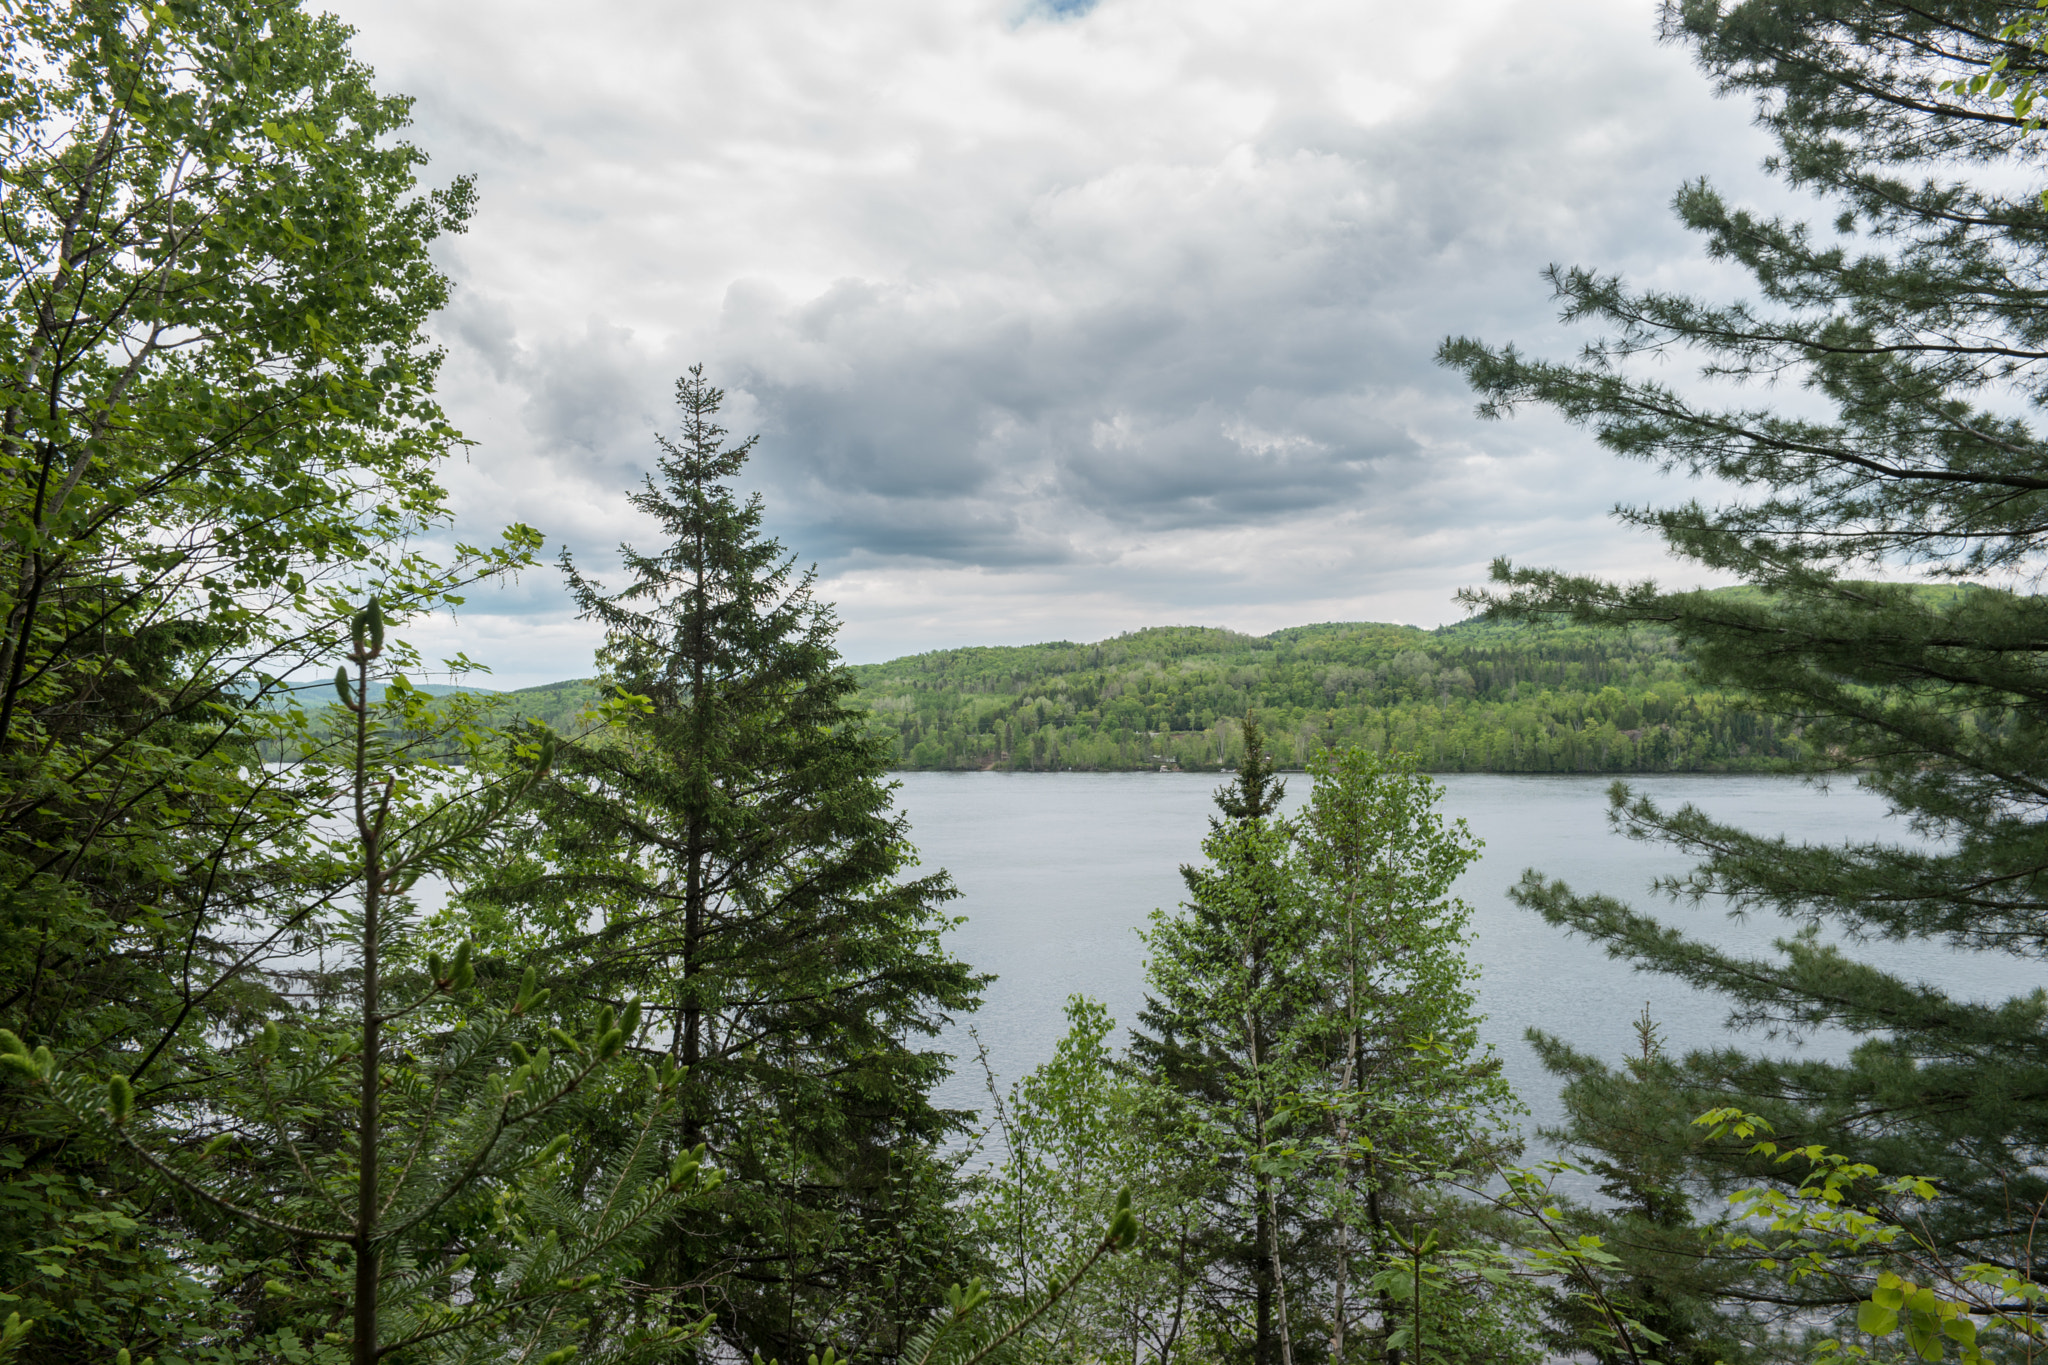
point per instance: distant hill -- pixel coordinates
(1473, 697)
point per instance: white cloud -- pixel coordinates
(1053, 325)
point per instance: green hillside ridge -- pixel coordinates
(1478, 696)
(1472, 697)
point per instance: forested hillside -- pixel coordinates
(1474, 697)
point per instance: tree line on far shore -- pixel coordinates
(1475, 697)
(1479, 696)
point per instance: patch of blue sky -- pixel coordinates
(1058, 9)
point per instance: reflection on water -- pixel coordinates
(1058, 871)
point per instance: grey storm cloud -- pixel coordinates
(1054, 319)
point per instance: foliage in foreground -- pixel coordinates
(1913, 322)
(1299, 1112)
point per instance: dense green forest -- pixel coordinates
(1474, 697)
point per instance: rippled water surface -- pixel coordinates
(1059, 870)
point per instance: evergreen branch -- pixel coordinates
(227, 1205)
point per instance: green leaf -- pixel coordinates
(1923, 1334)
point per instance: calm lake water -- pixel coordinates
(1060, 870)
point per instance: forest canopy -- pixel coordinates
(1473, 697)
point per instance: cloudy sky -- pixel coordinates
(1055, 320)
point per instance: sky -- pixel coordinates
(1054, 320)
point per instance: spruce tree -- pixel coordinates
(1224, 990)
(1315, 1084)
(1413, 1099)
(1914, 322)
(728, 853)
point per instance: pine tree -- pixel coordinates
(729, 854)
(1915, 324)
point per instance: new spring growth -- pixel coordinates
(829, 1358)
(686, 1166)
(218, 1145)
(16, 1057)
(366, 631)
(120, 1099)
(1928, 1318)
(530, 1067)
(964, 1299)
(454, 976)
(561, 1357)
(664, 1076)
(268, 1040)
(609, 1038)
(531, 996)
(342, 689)
(1123, 1224)
(555, 1148)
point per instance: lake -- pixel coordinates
(1060, 870)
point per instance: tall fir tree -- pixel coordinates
(728, 852)
(1914, 320)
(1413, 1099)
(1224, 988)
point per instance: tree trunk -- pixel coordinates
(1279, 1280)
(1262, 1280)
(1379, 1243)
(368, 1117)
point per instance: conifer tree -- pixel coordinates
(1225, 987)
(728, 853)
(1630, 1127)
(380, 1162)
(1914, 321)
(1414, 1100)
(1315, 1084)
